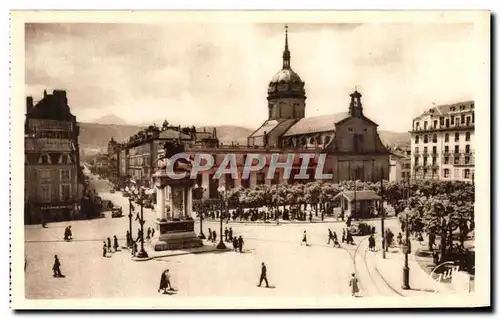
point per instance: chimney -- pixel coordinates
(60, 95)
(29, 103)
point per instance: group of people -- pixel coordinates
(107, 248)
(332, 237)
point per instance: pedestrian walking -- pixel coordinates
(134, 248)
(148, 233)
(137, 217)
(164, 281)
(371, 243)
(127, 235)
(109, 244)
(343, 235)
(263, 276)
(56, 268)
(353, 283)
(230, 233)
(330, 236)
(210, 234)
(104, 249)
(214, 236)
(304, 239)
(310, 217)
(115, 244)
(226, 233)
(240, 244)
(400, 239)
(152, 232)
(235, 244)
(67, 233)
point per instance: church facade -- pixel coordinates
(350, 139)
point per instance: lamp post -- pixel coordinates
(406, 269)
(142, 253)
(382, 212)
(202, 210)
(129, 240)
(222, 193)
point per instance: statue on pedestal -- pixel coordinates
(175, 231)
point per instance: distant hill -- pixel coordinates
(110, 119)
(401, 139)
(94, 137)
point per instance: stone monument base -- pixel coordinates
(174, 235)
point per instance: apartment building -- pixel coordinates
(442, 143)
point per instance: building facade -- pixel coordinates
(135, 158)
(442, 143)
(400, 165)
(53, 177)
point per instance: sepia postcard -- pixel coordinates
(250, 159)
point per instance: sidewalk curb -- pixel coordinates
(191, 253)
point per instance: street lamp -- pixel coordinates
(202, 210)
(142, 253)
(406, 247)
(129, 240)
(222, 193)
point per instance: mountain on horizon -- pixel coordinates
(108, 119)
(95, 136)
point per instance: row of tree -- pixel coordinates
(319, 194)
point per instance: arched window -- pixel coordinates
(44, 159)
(64, 159)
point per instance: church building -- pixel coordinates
(350, 139)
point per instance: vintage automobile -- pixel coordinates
(116, 212)
(360, 229)
(148, 203)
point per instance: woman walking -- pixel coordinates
(353, 283)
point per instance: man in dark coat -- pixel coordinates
(104, 249)
(214, 236)
(67, 233)
(165, 282)
(230, 233)
(240, 244)
(235, 244)
(57, 267)
(371, 243)
(109, 244)
(330, 236)
(226, 233)
(115, 244)
(263, 276)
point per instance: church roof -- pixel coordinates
(316, 124)
(267, 127)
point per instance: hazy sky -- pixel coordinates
(218, 73)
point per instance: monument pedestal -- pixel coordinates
(174, 235)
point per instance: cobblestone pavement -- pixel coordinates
(293, 270)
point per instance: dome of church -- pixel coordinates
(287, 76)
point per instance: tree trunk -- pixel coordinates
(442, 246)
(316, 209)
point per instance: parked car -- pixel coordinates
(112, 191)
(360, 229)
(148, 203)
(116, 212)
